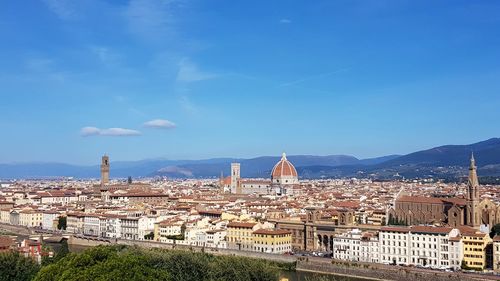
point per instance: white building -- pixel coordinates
(356, 246)
(49, 220)
(394, 245)
(168, 228)
(111, 226)
(146, 225)
(92, 225)
(130, 228)
(216, 239)
(430, 246)
(456, 252)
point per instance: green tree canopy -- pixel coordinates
(495, 230)
(132, 263)
(61, 225)
(15, 267)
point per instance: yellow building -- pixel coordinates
(377, 218)
(475, 244)
(239, 235)
(30, 218)
(4, 215)
(272, 241)
(231, 217)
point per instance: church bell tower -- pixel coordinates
(473, 195)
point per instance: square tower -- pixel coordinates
(104, 170)
(235, 178)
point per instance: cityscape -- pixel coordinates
(421, 224)
(266, 140)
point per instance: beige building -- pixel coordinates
(30, 218)
(5, 216)
(496, 253)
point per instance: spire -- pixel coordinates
(472, 161)
(283, 156)
(473, 181)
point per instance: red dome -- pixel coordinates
(284, 169)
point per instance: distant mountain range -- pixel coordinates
(448, 162)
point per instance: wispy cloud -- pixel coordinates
(111, 132)
(317, 76)
(189, 72)
(62, 8)
(285, 21)
(160, 124)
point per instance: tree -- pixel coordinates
(129, 180)
(14, 267)
(495, 230)
(63, 251)
(149, 236)
(62, 222)
(133, 263)
(464, 266)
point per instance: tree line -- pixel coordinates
(132, 263)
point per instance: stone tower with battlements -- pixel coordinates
(105, 170)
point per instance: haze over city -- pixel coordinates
(191, 79)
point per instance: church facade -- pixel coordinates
(284, 180)
(454, 212)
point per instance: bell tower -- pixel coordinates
(105, 170)
(235, 178)
(473, 195)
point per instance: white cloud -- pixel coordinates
(62, 8)
(189, 72)
(285, 21)
(160, 124)
(111, 132)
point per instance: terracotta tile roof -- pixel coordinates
(271, 232)
(241, 224)
(395, 229)
(431, 200)
(430, 229)
(283, 169)
(6, 242)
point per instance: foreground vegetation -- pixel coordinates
(132, 263)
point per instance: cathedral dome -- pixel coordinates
(284, 172)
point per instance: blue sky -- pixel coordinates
(197, 79)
